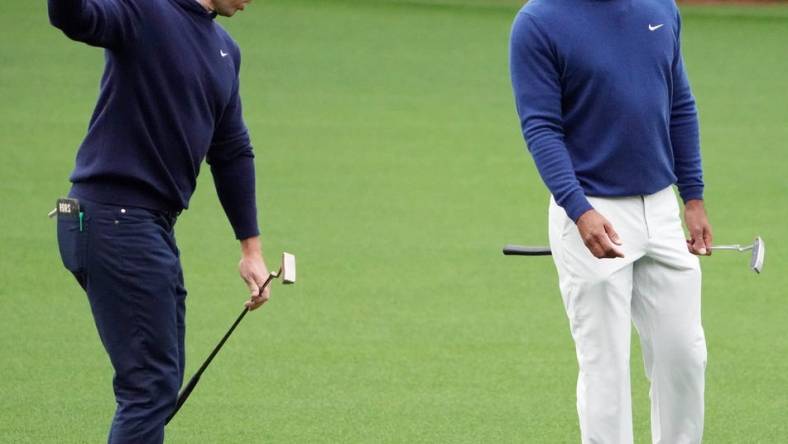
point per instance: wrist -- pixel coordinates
(585, 215)
(250, 247)
(693, 204)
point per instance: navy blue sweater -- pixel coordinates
(168, 99)
(603, 99)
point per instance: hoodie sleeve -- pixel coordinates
(537, 94)
(684, 131)
(104, 23)
(232, 165)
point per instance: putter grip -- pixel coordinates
(519, 250)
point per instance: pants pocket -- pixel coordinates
(72, 244)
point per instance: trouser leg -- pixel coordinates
(136, 297)
(667, 314)
(597, 297)
(600, 324)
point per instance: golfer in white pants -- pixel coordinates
(609, 118)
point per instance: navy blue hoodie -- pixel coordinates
(168, 99)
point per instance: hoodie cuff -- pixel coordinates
(691, 193)
(575, 204)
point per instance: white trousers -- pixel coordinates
(656, 286)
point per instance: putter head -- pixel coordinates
(288, 273)
(758, 255)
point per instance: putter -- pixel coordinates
(758, 248)
(288, 274)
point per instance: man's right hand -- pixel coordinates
(598, 235)
(254, 272)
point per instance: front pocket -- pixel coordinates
(71, 243)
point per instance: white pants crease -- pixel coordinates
(657, 287)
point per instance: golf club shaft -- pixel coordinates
(187, 390)
(519, 250)
(732, 247)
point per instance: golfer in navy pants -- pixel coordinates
(169, 98)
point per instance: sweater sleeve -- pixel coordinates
(104, 23)
(232, 165)
(684, 133)
(537, 94)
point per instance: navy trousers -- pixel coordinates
(127, 261)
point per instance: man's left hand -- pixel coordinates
(699, 228)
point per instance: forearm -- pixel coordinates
(541, 124)
(555, 167)
(685, 139)
(684, 129)
(235, 186)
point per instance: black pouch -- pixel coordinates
(71, 236)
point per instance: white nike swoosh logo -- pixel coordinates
(225, 54)
(655, 27)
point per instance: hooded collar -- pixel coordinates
(196, 8)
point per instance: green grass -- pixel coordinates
(390, 163)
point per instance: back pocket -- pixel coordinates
(72, 244)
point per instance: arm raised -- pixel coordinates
(104, 23)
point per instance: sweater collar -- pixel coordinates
(196, 8)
